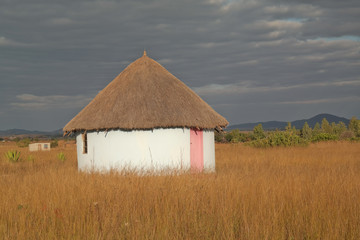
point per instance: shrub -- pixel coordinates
(316, 130)
(354, 126)
(232, 136)
(30, 158)
(236, 136)
(346, 135)
(61, 157)
(23, 142)
(13, 156)
(326, 127)
(228, 137)
(355, 139)
(259, 131)
(324, 137)
(54, 143)
(277, 138)
(339, 128)
(306, 131)
(219, 137)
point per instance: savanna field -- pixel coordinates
(310, 192)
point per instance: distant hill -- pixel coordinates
(318, 118)
(13, 132)
(271, 125)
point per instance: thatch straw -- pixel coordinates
(146, 96)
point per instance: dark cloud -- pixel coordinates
(251, 60)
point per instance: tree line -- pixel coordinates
(291, 136)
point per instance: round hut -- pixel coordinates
(146, 120)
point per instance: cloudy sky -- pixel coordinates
(251, 60)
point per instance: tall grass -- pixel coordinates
(279, 193)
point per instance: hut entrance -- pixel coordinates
(196, 150)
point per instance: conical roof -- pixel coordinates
(145, 96)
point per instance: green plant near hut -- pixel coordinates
(61, 156)
(30, 158)
(13, 156)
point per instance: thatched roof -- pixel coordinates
(145, 96)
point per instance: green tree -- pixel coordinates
(333, 126)
(306, 131)
(219, 137)
(325, 126)
(316, 130)
(354, 126)
(290, 129)
(339, 128)
(259, 131)
(235, 135)
(288, 126)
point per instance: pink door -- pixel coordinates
(196, 150)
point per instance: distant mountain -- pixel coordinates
(271, 125)
(318, 118)
(13, 132)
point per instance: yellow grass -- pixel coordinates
(281, 193)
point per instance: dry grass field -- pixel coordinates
(279, 193)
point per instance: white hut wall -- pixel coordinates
(39, 147)
(209, 150)
(158, 149)
(33, 147)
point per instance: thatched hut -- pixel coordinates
(146, 119)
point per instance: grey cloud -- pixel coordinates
(33, 102)
(61, 21)
(5, 42)
(238, 54)
(326, 100)
(247, 87)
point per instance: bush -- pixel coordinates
(277, 138)
(346, 135)
(259, 131)
(54, 143)
(355, 139)
(61, 157)
(31, 158)
(354, 126)
(13, 156)
(306, 131)
(324, 137)
(236, 136)
(326, 127)
(339, 128)
(23, 142)
(219, 137)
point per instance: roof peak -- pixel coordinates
(145, 53)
